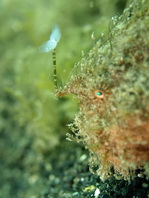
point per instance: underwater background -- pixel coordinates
(36, 159)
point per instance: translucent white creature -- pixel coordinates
(54, 39)
(50, 45)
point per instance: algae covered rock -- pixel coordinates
(112, 86)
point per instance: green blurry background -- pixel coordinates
(32, 121)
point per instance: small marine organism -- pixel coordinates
(49, 46)
(112, 87)
(54, 39)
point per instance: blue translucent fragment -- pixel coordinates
(54, 39)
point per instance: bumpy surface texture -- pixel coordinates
(112, 87)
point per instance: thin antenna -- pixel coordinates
(54, 68)
(49, 46)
